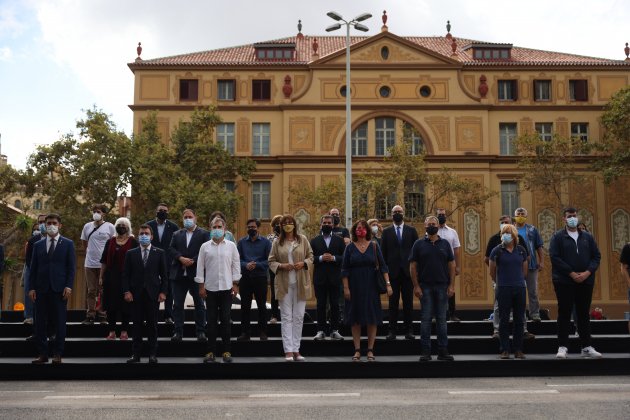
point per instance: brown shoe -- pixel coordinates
(528, 336)
(504, 355)
(40, 360)
(519, 355)
(56, 360)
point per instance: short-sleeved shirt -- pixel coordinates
(341, 232)
(96, 242)
(449, 235)
(432, 260)
(509, 265)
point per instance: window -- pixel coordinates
(359, 140)
(260, 139)
(580, 130)
(261, 90)
(261, 200)
(417, 144)
(272, 52)
(507, 133)
(384, 53)
(384, 206)
(385, 135)
(509, 197)
(578, 90)
(188, 89)
(544, 131)
(507, 90)
(414, 200)
(37, 205)
(17, 204)
(385, 91)
(225, 136)
(425, 91)
(230, 186)
(542, 90)
(226, 90)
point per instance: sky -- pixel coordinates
(60, 57)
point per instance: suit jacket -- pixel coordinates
(52, 274)
(327, 272)
(396, 254)
(178, 249)
(153, 277)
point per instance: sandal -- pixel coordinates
(356, 358)
(370, 358)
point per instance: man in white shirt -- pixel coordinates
(93, 237)
(218, 273)
(451, 236)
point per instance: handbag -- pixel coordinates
(381, 286)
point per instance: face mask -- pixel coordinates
(326, 229)
(336, 219)
(162, 215)
(217, 233)
(431, 230)
(520, 219)
(572, 222)
(501, 226)
(42, 228)
(144, 239)
(361, 232)
(52, 230)
(97, 216)
(121, 230)
(189, 223)
(276, 229)
(507, 238)
(251, 232)
(398, 218)
(442, 218)
(288, 228)
(374, 229)
(36, 232)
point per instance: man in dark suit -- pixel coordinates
(184, 251)
(397, 241)
(51, 279)
(144, 284)
(163, 230)
(328, 251)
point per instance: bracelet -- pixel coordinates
(388, 283)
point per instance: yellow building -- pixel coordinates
(282, 103)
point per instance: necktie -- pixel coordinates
(398, 234)
(145, 256)
(51, 249)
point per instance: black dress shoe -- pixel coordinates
(409, 335)
(134, 359)
(169, 321)
(443, 354)
(176, 337)
(243, 337)
(153, 360)
(56, 360)
(391, 336)
(263, 336)
(40, 360)
(425, 357)
(202, 337)
(30, 338)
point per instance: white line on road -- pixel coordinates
(22, 391)
(588, 385)
(100, 397)
(315, 395)
(512, 391)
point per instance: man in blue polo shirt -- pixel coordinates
(432, 269)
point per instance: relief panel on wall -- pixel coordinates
(620, 228)
(329, 131)
(468, 133)
(547, 225)
(302, 132)
(243, 138)
(440, 126)
(473, 284)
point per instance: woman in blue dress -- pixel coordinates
(363, 301)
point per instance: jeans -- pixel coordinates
(325, 293)
(258, 288)
(28, 303)
(181, 286)
(511, 298)
(532, 293)
(434, 302)
(219, 305)
(292, 315)
(568, 295)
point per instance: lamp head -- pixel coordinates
(362, 17)
(333, 27)
(361, 28)
(334, 15)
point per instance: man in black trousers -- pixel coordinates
(397, 241)
(145, 283)
(328, 251)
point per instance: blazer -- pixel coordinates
(280, 255)
(178, 249)
(397, 255)
(327, 272)
(169, 229)
(55, 273)
(153, 277)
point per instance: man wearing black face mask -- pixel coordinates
(254, 252)
(450, 235)
(397, 241)
(339, 230)
(163, 229)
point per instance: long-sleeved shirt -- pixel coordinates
(218, 265)
(257, 251)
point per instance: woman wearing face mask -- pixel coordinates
(112, 264)
(275, 233)
(377, 230)
(358, 273)
(508, 269)
(291, 259)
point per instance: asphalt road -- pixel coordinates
(484, 398)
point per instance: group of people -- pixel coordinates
(350, 269)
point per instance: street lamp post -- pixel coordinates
(354, 22)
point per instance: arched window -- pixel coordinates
(17, 204)
(37, 205)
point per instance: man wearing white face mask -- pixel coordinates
(94, 236)
(574, 259)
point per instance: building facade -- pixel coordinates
(283, 104)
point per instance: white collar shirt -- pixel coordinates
(449, 235)
(218, 265)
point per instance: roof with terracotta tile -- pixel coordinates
(245, 55)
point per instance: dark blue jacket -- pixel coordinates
(53, 274)
(257, 251)
(567, 256)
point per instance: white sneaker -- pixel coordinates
(320, 336)
(336, 336)
(562, 353)
(28, 321)
(591, 352)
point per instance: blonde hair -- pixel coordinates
(511, 229)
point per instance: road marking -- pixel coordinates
(21, 391)
(100, 397)
(512, 391)
(589, 385)
(311, 395)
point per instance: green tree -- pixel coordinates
(614, 160)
